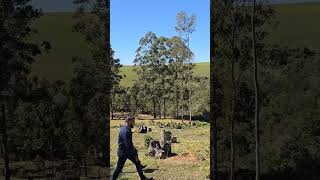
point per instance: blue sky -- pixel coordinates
(67, 5)
(131, 20)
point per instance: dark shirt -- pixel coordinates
(125, 145)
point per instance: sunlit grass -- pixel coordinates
(192, 160)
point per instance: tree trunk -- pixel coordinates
(159, 105)
(233, 104)
(154, 109)
(85, 166)
(213, 87)
(190, 106)
(177, 103)
(182, 103)
(106, 120)
(256, 91)
(52, 155)
(1, 148)
(189, 79)
(112, 110)
(164, 108)
(177, 95)
(5, 143)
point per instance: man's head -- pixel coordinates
(130, 120)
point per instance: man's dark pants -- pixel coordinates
(121, 161)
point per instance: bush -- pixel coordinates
(140, 124)
(147, 139)
(178, 126)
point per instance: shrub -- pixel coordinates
(178, 126)
(140, 124)
(147, 139)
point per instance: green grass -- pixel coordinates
(298, 27)
(129, 76)
(193, 140)
(202, 69)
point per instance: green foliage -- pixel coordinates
(94, 79)
(147, 139)
(140, 124)
(175, 125)
(40, 122)
(162, 67)
(58, 119)
(288, 88)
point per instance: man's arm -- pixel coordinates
(127, 140)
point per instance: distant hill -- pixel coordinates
(201, 69)
(298, 27)
(57, 29)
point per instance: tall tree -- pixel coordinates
(185, 26)
(234, 44)
(179, 54)
(256, 90)
(161, 62)
(213, 92)
(234, 32)
(94, 76)
(40, 116)
(115, 79)
(4, 137)
(147, 61)
(16, 54)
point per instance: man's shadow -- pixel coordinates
(147, 170)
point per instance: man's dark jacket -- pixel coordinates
(125, 145)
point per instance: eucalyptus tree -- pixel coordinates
(16, 54)
(146, 60)
(115, 81)
(256, 90)
(94, 76)
(185, 26)
(214, 17)
(39, 123)
(179, 54)
(161, 48)
(161, 66)
(232, 65)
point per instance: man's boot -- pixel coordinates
(143, 166)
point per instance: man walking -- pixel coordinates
(126, 150)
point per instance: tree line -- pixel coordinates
(264, 118)
(166, 84)
(55, 120)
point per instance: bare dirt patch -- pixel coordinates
(186, 158)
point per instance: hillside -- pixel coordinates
(297, 25)
(201, 69)
(57, 28)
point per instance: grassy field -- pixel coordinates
(191, 162)
(297, 27)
